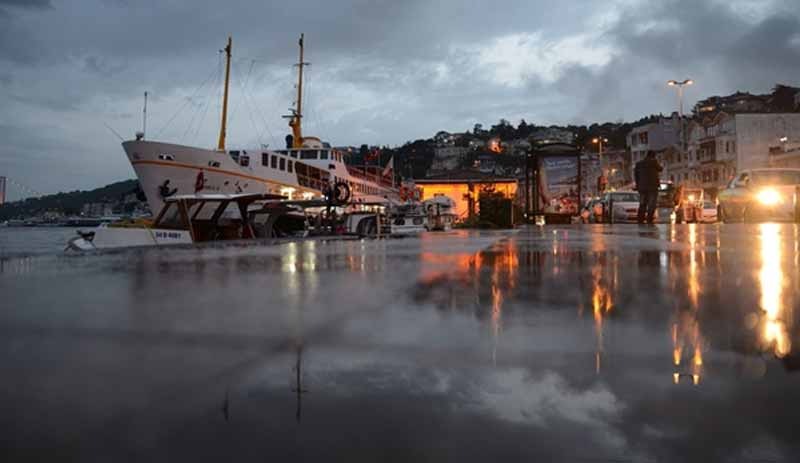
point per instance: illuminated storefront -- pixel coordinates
(466, 191)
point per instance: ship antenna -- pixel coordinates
(144, 116)
(297, 112)
(227, 50)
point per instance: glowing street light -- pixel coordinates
(599, 141)
(680, 85)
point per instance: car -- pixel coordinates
(759, 195)
(709, 212)
(620, 206)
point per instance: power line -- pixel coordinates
(183, 106)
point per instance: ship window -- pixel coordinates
(290, 165)
(293, 154)
(308, 154)
(323, 154)
(274, 162)
(283, 164)
(264, 159)
(213, 163)
(244, 161)
(166, 157)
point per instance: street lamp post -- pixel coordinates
(599, 141)
(680, 85)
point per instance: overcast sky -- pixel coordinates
(383, 71)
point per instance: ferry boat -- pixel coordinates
(302, 171)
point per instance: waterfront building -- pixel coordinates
(465, 187)
(447, 158)
(661, 136)
(724, 144)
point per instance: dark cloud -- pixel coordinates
(383, 72)
(26, 3)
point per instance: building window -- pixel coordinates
(283, 164)
(274, 162)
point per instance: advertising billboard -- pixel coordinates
(558, 184)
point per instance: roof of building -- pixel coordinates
(464, 176)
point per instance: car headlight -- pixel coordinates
(769, 197)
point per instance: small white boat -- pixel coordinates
(188, 219)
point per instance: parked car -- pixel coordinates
(757, 195)
(620, 206)
(709, 212)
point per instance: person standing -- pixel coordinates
(647, 173)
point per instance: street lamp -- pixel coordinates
(599, 141)
(680, 85)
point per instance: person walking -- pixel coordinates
(647, 172)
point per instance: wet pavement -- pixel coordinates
(575, 343)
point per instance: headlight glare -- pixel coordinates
(769, 197)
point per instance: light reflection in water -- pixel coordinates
(771, 280)
(601, 306)
(685, 331)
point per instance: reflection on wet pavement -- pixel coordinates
(590, 343)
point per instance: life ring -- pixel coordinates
(199, 182)
(337, 194)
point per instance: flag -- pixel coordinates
(387, 171)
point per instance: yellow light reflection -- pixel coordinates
(601, 305)
(694, 285)
(771, 280)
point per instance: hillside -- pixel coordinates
(68, 203)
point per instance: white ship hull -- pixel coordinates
(164, 169)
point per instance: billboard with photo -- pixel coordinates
(558, 184)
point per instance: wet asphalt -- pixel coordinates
(573, 343)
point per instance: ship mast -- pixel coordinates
(297, 112)
(227, 50)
